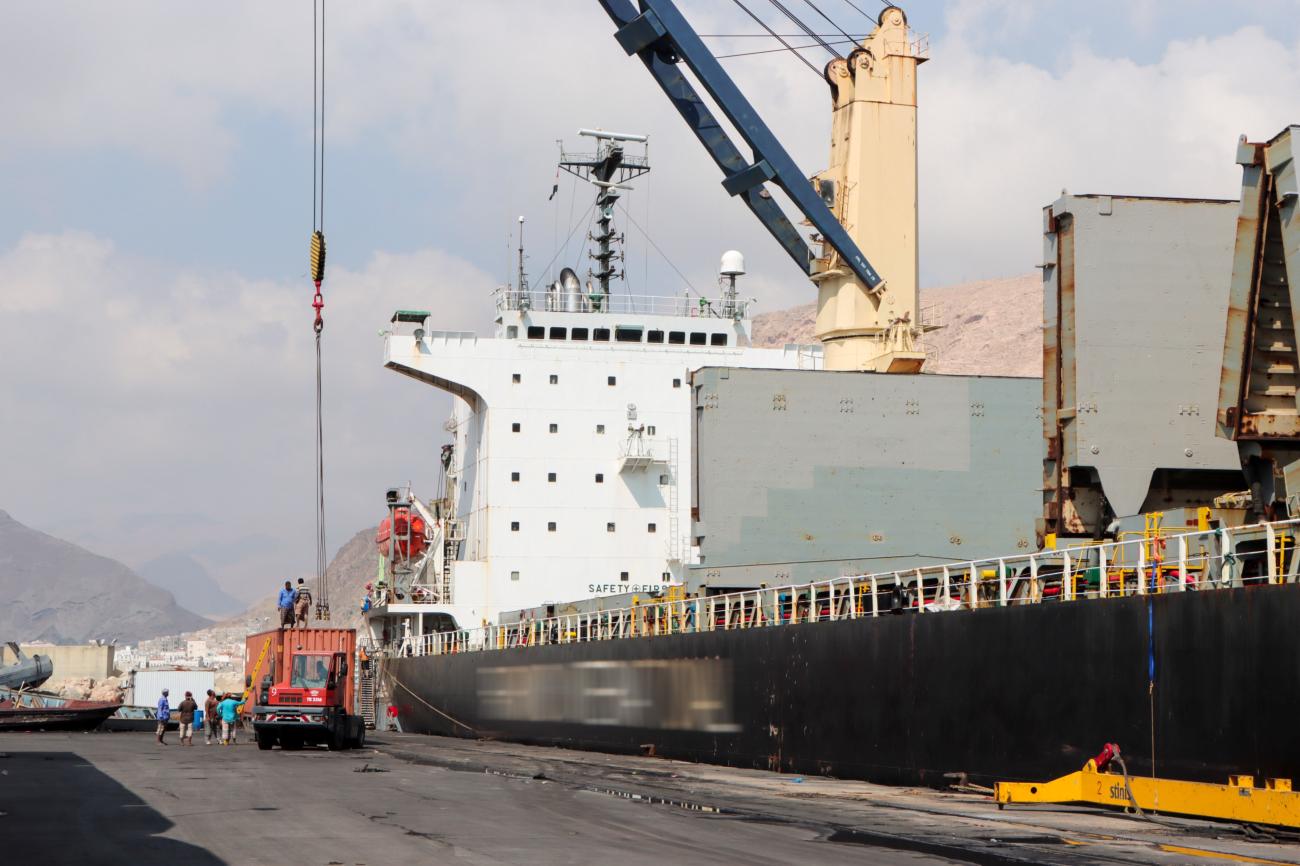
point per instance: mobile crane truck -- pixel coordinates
(302, 687)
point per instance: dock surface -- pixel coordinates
(121, 798)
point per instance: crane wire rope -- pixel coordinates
(652, 243)
(777, 37)
(798, 22)
(815, 8)
(317, 264)
(777, 50)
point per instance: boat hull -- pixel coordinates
(1022, 692)
(54, 718)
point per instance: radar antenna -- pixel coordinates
(609, 169)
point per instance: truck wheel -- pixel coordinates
(338, 740)
(265, 740)
(359, 742)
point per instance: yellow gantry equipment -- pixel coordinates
(1274, 804)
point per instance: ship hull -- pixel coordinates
(1022, 692)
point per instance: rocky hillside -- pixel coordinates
(989, 328)
(353, 566)
(55, 591)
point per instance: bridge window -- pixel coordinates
(612, 380)
(698, 339)
(550, 476)
(654, 336)
(627, 335)
(600, 477)
(514, 526)
(578, 334)
(600, 335)
(600, 428)
(677, 383)
(555, 428)
(516, 378)
(717, 339)
(536, 332)
(559, 333)
(623, 576)
(677, 338)
(514, 428)
(609, 527)
(649, 527)
(514, 476)
(550, 527)
(555, 379)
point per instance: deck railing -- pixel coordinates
(1156, 563)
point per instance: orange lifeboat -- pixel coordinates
(407, 528)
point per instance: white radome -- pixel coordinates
(733, 264)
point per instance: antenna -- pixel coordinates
(608, 169)
(523, 278)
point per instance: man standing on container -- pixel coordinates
(211, 718)
(164, 714)
(285, 605)
(301, 604)
(185, 713)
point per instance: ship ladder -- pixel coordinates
(1275, 804)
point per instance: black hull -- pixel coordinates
(1026, 692)
(54, 719)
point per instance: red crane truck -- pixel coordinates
(302, 688)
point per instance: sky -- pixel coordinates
(155, 207)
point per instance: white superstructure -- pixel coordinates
(569, 473)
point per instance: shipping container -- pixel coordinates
(149, 683)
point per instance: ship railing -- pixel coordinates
(1203, 560)
(686, 306)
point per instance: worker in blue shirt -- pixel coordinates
(164, 716)
(229, 709)
(285, 605)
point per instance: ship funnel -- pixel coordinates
(570, 290)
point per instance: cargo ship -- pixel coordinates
(649, 535)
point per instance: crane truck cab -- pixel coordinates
(302, 684)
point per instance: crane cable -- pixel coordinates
(317, 261)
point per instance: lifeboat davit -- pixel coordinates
(409, 531)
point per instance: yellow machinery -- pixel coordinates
(1274, 804)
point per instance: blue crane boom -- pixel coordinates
(662, 38)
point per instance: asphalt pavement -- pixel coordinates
(120, 798)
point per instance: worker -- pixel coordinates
(185, 713)
(229, 709)
(285, 605)
(164, 714)
(211, 718)
(301, 604)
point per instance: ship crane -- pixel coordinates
(867, 318)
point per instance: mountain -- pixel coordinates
(55, 591)
(987, 328)
(186, 578)
(353, 566)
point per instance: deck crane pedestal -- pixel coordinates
(868, 320)
(1258, 393)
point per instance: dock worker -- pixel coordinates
(185, 714)
(164, 715)
(285, 605)
(229, 710)
(211, 718)
(301, 604)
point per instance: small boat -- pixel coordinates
(129, 718)
(23, 710)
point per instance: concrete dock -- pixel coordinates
(120, 798)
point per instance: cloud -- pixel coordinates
(147, 389)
